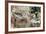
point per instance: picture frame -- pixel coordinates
(11, 6)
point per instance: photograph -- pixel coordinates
(25, 16)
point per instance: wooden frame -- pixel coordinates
(6, 16)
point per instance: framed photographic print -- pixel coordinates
(23, 16)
